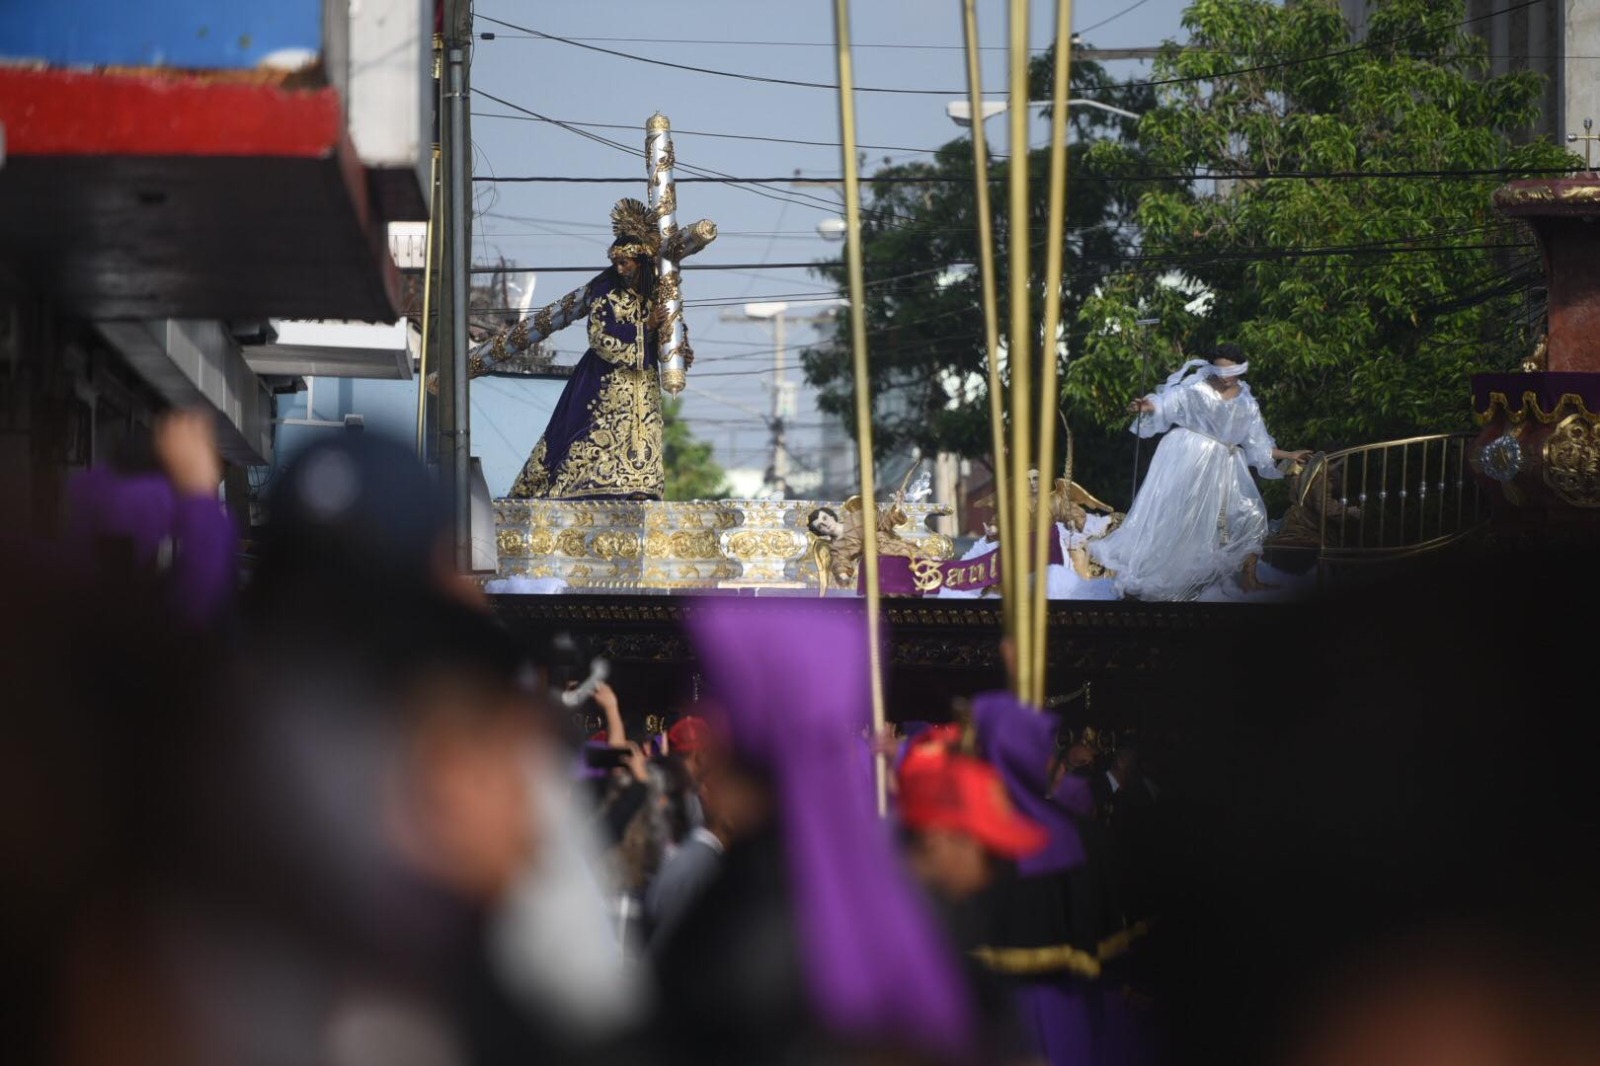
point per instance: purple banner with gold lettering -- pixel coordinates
(916, 577)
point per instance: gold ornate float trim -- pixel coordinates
(1570, 404)
(1547, 194)
(1572, 461)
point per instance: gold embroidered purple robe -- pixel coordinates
(603, 440)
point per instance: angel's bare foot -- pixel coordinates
(1249, 581)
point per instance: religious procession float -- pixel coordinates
(1085, 593)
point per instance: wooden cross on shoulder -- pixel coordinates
(1588, 137)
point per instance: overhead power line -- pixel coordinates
(800, 199)
(723, 136)
(1111, 18)
(708, 70)
(1364, 46)
(1083, 174)
(1163, 257)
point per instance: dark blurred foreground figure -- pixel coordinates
(1391, 860)
(366, 647)
(289, 848)
(103, 691)
(811, 945)
(961, 833)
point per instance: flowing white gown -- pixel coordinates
(1198, 515)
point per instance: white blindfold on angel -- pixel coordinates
(1196, 370)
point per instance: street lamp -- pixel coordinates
(960, 111)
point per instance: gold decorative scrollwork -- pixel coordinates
(696, 544)
(570, 542)
(750, 544)
(1572, 461)
(612, 545)
(511, 542)
(1570, 404)
(541, 542)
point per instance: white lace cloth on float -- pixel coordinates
(1198, 514)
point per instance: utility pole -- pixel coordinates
(782, 395)
(780, 444)
(455, 310)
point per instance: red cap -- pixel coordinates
(689, 733)
(966, 795)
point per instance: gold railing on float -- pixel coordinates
(1395, 499)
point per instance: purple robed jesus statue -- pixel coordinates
(604, 436)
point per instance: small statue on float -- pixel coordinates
(838, 538)
(1079, 516)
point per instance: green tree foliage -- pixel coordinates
(920, 248)
(691, 472)
(1363, 304)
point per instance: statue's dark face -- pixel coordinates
(636, 272)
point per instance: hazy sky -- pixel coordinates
(899, 44)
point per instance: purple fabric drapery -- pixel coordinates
(1020, 742)
(795, 686)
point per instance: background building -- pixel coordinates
(178, 178)
(1558, 38)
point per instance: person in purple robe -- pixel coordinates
(604, 438)
(812, 944)
(1048, 927)
(154, 512)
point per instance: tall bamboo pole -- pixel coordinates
(1049, 400)
(858, 344)
(428, 333)
(991, 312)
(1019, 348)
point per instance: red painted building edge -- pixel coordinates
(48, 112)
